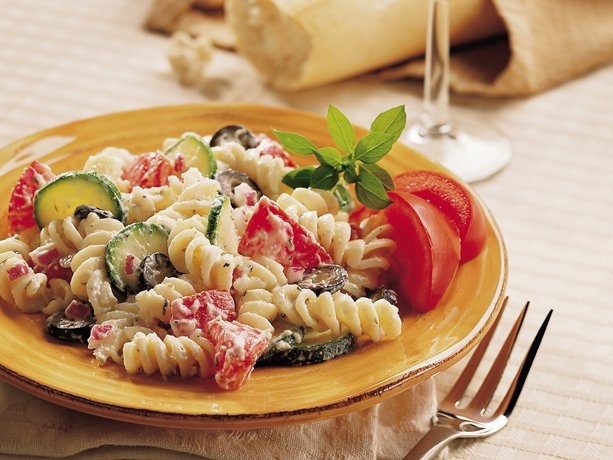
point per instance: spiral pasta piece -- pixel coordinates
(16, 245)
(377, 320)
(148, 353)
(30, 292)
(260, 272)
(257, 308)
(265, 170)
(302, 200)
(209, 266)
(107, 338)
(154, 304)
(142, 203)
(90, 280)
(111, 162)
(62, 234)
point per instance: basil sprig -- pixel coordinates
(349, 161)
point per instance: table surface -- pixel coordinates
(61, 61)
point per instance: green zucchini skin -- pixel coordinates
(292, 350)
(136, 240)
(60, 197)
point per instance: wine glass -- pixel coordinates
(472, 149)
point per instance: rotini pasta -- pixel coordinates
(257, 308)
(30, 292)
(151, 307)
(265, 170)
(150, 354)
(192, 253)
(90, 280)
(108, 338)
(111, 162)
(377, 320)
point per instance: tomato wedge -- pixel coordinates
(149, 170)
(195, 312)
(21, 204)
(273, 233)
(237, 349)
(427, 250)
(454, 201)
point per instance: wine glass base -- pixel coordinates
(473, 151)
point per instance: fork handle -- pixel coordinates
(433, 442)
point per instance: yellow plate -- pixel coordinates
(68, 375)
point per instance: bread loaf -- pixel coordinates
(303, 43)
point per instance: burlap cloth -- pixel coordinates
(385, 431)
(548, 43)
(543, 44)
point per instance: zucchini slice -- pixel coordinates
(296, 347)
(220, 229)
(195, 153)
(60, 197)
(127, 249)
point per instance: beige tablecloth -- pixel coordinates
(63, 60)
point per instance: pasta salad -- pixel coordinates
(197, 259)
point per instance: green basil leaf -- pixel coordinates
(295, 143)
(324, 177)
(300, 177)
(351, 176)
(381, 174)
(341, 129)
(374, 146)
(391, 121)
(329, 156)
(370, 191)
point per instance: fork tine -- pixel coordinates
(508, 403)
(488, 387)
(459, 387)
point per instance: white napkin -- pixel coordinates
(32, 427)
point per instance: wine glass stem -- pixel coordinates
(435, 119)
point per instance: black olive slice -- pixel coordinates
(229, 179)
(72, 330)
(234, 133)
(383, 292)
(327, 277)
(153, 269)
(83, 210)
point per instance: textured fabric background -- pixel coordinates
(63, 60)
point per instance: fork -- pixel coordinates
(472, 419)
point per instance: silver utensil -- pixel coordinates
(471, 419)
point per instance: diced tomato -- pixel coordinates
(454, 201)
(427, 250)
(99, 333)
(237, 349)
(273, 233)
(18, 270)
(180, 165)
(149, 170)
(267, 146)
(195, 312)
(48, 260)
(78, 311)
(129, 264)
(21, 204)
